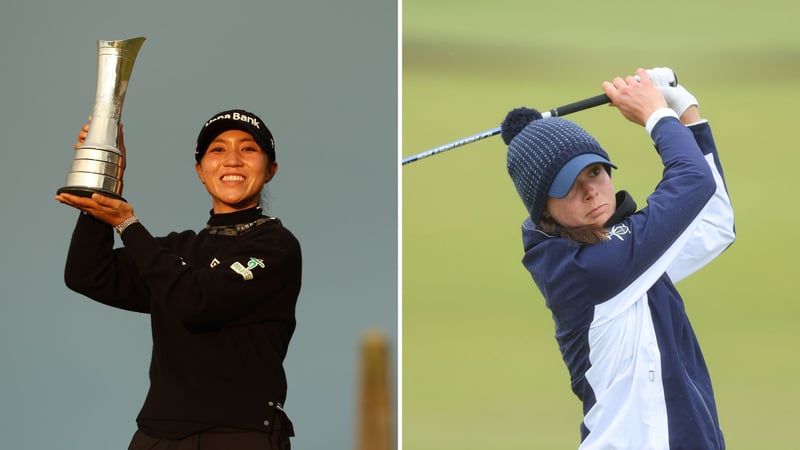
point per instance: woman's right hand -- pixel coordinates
(121, 138)
(82, 134)
(635, 99)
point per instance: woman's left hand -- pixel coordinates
(109, 210)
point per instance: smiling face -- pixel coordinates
(234, 169)
(590, 201)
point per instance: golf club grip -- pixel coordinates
(580, 105)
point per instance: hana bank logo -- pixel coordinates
(236, 116)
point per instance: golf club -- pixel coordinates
(660, 76)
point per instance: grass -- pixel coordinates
(480, 366)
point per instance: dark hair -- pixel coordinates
(588, 234)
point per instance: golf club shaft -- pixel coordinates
(665, 74)
(570, 108)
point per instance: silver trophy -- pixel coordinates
(98, 164)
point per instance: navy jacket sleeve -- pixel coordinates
(715, 231)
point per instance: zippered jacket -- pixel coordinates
(621, 326)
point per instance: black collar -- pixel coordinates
(625, 207)
(236, 223)
(236, 229)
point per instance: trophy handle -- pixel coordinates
(98, 164)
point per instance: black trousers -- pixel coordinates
(215, 439)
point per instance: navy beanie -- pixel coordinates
(539, 148)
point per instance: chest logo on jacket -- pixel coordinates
(246, 271)
(618, 231)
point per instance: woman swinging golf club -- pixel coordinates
(606, 270)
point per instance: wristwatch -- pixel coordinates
(125, 224)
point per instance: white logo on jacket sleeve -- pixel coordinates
(246, 271)
(618, 231)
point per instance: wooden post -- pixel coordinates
(374, 422)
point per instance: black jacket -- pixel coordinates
(222, 311)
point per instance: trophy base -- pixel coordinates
(85, 184)
(87, 192)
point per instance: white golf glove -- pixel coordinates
(677, 97)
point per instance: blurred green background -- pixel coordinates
(480, 367)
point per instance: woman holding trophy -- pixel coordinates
(221, 301)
